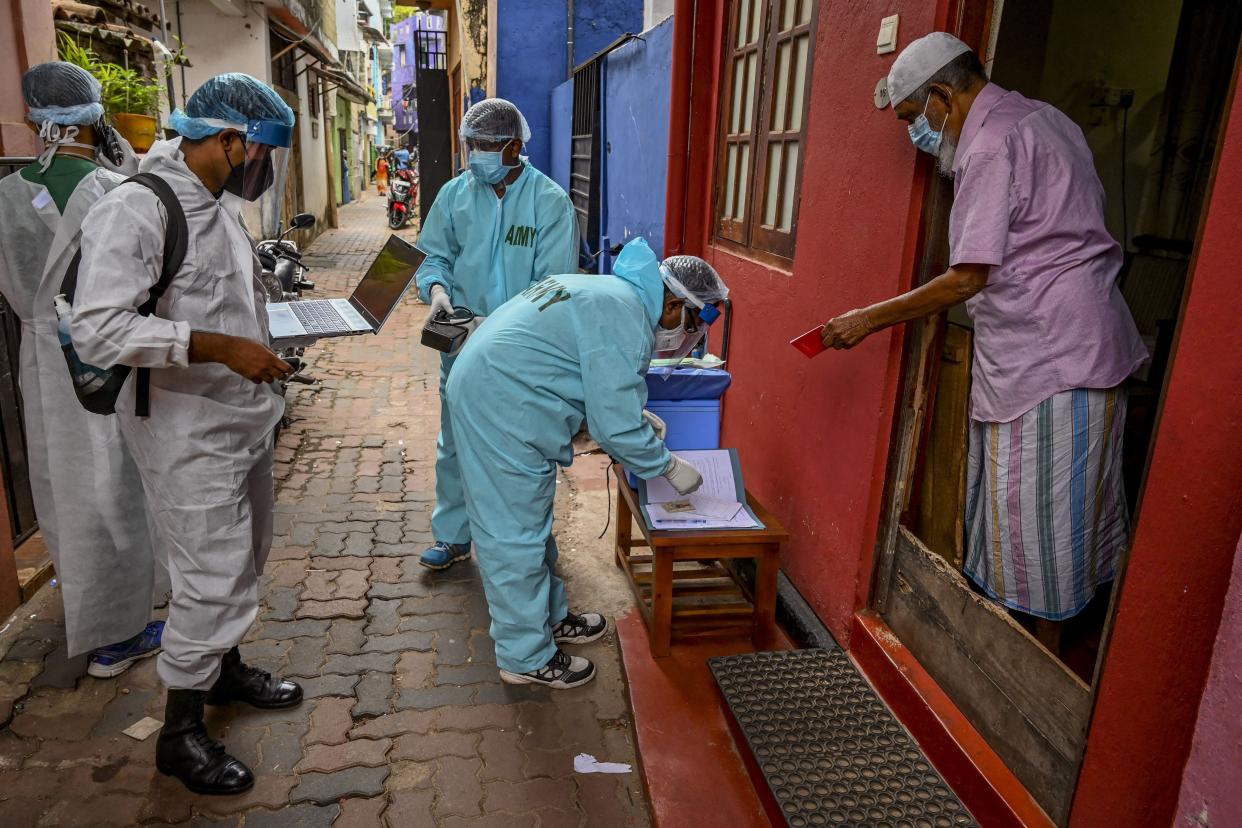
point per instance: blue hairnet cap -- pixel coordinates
(62, 93)
(230, 101)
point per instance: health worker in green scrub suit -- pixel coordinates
(88, 498)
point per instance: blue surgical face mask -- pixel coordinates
(489, 167)
(923, 136)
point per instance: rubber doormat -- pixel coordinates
(830, 750)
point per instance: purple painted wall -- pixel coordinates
(1210, 793)
(403, 68)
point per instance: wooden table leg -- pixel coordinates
(625, 530)
(764, 634)
(661, 632)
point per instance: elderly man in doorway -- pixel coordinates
(1046, 515)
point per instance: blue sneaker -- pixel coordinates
(443, 555)
(111, 661)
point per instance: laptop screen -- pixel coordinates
(386, 281)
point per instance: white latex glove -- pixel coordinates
(440, 301)
(661, 428)
(683, 477)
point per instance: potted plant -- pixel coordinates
(130, 100)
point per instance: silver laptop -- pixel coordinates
(373, 301)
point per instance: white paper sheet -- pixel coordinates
(586, 763)
(715, 503)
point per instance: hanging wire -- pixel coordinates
(608, 495)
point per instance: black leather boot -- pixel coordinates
(186, 751)
(238, 682)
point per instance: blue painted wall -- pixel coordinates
(532, 58)
(636, 111)
(599, 22)
(562, 133)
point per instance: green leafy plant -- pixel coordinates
(124, 89)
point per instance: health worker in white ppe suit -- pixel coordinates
(492, 232)
(570, 350)
(87, 494)
(205, 450)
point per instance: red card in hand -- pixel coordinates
(810, 343)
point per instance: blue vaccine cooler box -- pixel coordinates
(689, 403)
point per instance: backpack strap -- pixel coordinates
(176, 234)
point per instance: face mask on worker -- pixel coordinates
(670, 339)
(489, 167)
(923, 136)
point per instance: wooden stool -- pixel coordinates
(712, 597)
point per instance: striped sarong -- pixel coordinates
(1046, 514)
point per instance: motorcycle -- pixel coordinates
(284, 279)
(402, 195)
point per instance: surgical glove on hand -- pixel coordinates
(440, 302)
(661, 429)
(683, 477)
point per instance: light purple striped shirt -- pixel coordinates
(1028, 202)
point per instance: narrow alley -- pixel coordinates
(406, 722)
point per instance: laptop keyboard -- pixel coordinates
(319, 317)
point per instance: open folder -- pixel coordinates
(720, 503)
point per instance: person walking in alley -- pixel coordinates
(568, 351)
(87, 494)
(381, 174)
(492, 232)
(205, 450)
(1046, 515)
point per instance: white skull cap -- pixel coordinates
(919, 61)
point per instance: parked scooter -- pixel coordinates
(402, 196)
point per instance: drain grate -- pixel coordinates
(831, 752)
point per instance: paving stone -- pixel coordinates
(457, 780)
(342, 562)
(435, 697)
(358, 752)
(388, 532)
(339, 608)
(346, 635)
(305, 656)
(360, 663)
(501, 755)
(352, 583)
(434, 621)
(361, 813)
(329, 787)
(305, 815)
(330, 721)
(383, 617)
(397, 550)
(385, 571)
(279, 754)
(452, 647)
(320, 585)
(269, 792)
(423, 747)
(359, 543)
(279, 630)
(395, 724)
(374, 694)
(313, 688)
(415, 669)
(467, 674)
(399, 642)
(410, 808)
(401, 589)
(492, 820)
(409, 775)
(502, 795)
(512, 693)
(328, 544)
(281, 603)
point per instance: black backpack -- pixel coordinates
(97, 389)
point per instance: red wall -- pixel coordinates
(814, 435)
(1189, 521)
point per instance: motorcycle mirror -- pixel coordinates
(303, 220)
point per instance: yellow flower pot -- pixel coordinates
(139, 130)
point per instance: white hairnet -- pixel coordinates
(494, 120)
(919, 61)
(61, 93)
(694, 280)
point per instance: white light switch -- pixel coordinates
(887, 40)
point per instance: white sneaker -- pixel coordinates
(580, 629)
(562, 672)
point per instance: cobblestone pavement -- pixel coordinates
(406, 722)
